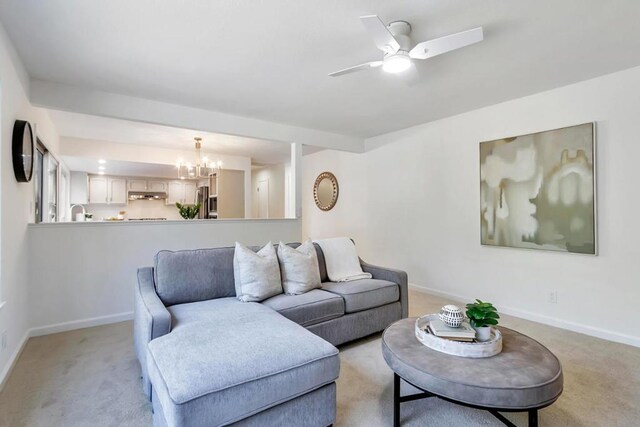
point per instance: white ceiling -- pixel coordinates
(270, 59)
(128, 132)
(121, 168)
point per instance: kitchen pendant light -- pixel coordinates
(202, 168)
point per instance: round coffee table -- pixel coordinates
(526, 376)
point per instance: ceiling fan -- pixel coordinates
(395, 41)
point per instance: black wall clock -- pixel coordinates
(22, 147)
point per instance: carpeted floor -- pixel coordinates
(90, 377)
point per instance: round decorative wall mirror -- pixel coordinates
(325, 191)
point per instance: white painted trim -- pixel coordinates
(79, 324)
(547, 320)
(4, 376)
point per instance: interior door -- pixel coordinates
(263, 199)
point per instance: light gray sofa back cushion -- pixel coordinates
(321, 263)
(202, 274)
(194, 275)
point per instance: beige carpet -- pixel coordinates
(89, 377)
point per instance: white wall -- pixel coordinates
(16, 201)
(275, 174)
(87, 271)
(350, 215)
(412, 202)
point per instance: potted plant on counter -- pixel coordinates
(482, 315)
(188, 211)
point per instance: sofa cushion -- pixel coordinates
(321, 262)
(364, 293)
(197, 275)
(309, 308)
(202, 366)
(299, 268)
(256, 274)
(219, 311)
(194, 275)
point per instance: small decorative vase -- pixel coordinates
(451, 315)
(483, 333)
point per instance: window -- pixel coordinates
(45, 184)
(38, 179)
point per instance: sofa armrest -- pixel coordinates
(391, 275)
(151, 318)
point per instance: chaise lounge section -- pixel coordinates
(210, 359)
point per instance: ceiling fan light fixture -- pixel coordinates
(394, 40)
(396, 63)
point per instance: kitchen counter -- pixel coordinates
(159, 222)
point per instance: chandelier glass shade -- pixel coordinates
(202, 168)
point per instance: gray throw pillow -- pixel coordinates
(256, 275)
(299, 268)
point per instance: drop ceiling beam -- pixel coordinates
(70, 98)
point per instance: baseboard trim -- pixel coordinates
(539, 318)
(13, 360)
(80, 324)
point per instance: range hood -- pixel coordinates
(147, 195)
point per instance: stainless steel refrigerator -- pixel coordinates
(203, 200)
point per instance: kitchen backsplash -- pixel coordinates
(135, 209)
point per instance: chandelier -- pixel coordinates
(202, 168)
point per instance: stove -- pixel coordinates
(147, 219)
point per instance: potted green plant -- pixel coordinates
(482, 315)
(188, 211)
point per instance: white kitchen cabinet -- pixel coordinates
(175, 192)
(190, 193)
(98, 192)
(146, 185)
(137, 185)
(181, 192)
(117, 191)
(159, 186)
(104, 190)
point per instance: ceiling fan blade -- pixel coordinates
(446, 44)
(365, 66)
(382, 37)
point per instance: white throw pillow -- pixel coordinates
(299, 268)
(256, 275)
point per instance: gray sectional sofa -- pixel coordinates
(208, 359)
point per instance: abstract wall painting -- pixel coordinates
(537, 191)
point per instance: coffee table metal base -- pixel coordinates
(397, 400)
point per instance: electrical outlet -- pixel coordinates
(3, 344)
(553, 297)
